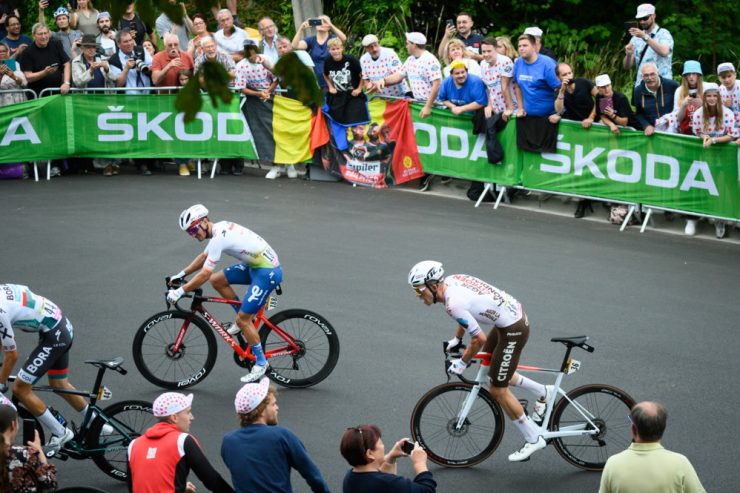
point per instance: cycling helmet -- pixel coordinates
(61, 11)
(426, 271)
(192, 215)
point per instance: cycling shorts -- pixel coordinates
(50, 355)
(262, 281)
(505, 345)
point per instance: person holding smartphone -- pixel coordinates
(462, 28)
(317, 46)
(45, 63)
(70, 38)
(649, 43)
(11, 78)
(375, 470)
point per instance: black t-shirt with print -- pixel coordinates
(344, 74)
(35, 59)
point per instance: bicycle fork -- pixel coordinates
(467, 405)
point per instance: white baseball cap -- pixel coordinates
(369, 39)
(603, 80)
(725, 67)
(534, 31)
(4, 401)
(710, 87)
(171, 403)
(416, 38)
(645, 10)
(251, 395)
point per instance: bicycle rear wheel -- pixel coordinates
(434, 425)
(154, 356)
(318, 348)
(607, 407)
(109, 451)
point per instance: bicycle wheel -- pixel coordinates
(155, 359)
(128, 419)
(434, 425)
(318, 348)
(607, 407)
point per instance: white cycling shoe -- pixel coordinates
(57, 442)
(528, 449)
(232, 328)
(257, 372)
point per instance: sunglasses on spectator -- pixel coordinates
(643, 18)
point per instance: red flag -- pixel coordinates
(319, 133)
(406, 162)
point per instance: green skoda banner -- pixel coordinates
(120, 125)
(448, 147)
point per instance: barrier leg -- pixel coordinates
(500, 196)
(36, 171)
(48, 170)
(199, 169)
(647, 219)
(486, 189)
(627, 219)
(213, 170)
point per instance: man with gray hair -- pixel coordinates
(653, 97)
(230, 38)
(212, 53)
(377, 63)
(44, 62)
(646, 466)
(268, 45)
(649, 43)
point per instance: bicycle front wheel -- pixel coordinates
(317, 353)
(607, 409)
(156, 359)
(434, 424)
(107, 442)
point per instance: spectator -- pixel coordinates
(23, 468)
(230, 38)
(649, 43)
(343, 76)
(44, 62)
(139, 29)
(268, 45)
(167, 63)
(688, 96)
(715, 124)
(15, 40)
(7, 10)
(11, 78)
(646, 466)
(130, 66)
(504, 47)
(164, 25)
(496, 73)
(260, 453)
(455, 50)
(575, 99)
(209, 51)
(252, 77)
(612, 107)
(729, 90)
(653, 97)
(317, 45)
(542, 50)
(161, 459)
(462, 92)
(200, 29)
(69, 37)
(150, 48)
(462, 30)
(373, 470)
(85, 18)
(377, 63)
(231, 7)
(535, 81)
(106, 36)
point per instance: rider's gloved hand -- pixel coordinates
(454, 344)
(175, 294)
(457, 366)
(175, 277)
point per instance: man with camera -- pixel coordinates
(131, 64)
(649, 43)
(462, 29)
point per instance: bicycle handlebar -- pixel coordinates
(178, 283)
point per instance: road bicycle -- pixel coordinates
(459, 424)
(176, 348)
(107, 447)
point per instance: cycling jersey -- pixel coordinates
(472, 303)
(21, 309)
(241, 243)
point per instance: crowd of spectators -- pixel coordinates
(524, 80)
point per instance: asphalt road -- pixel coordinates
(661, 310)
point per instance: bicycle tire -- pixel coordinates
(319, 348)
(610, 406)
(434, 419)
(110, 452)
(193, 362)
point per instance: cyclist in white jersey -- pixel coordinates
(258, 267)
(475, 304)
(22, 309)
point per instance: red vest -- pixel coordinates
(153, 459)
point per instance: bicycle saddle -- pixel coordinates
(108, 363)
(570, 341)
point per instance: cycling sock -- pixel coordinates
(527, 428)
(84, 412)
(236, 307)
(259, 354)
(534, 387)
(47, 419)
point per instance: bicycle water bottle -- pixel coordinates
(58, 416)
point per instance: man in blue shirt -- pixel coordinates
(535, 80)
(260, 454)
(462, 92)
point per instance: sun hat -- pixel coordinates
(602, 80)
(369, 39)
(171, 403)
(710, 87)
(250, 396)
(692, 67)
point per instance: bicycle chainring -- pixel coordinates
(244, 363)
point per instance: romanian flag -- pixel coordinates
(281, 128)
(396, 115)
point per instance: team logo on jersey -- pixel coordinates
(255, 293)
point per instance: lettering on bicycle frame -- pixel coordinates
(218, 328)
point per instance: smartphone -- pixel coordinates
(629, 25)
(10, 63)
(314, 22)
(29, 431)
(451, 22)
(55, 65)
(407, 447)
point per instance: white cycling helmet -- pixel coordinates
(61, 11)
(426, 271)
(192, 215)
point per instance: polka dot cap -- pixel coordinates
(4, 401)
(171, 403)
(251, 395)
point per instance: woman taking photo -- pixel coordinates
(373, 470)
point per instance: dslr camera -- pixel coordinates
(139, 57)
